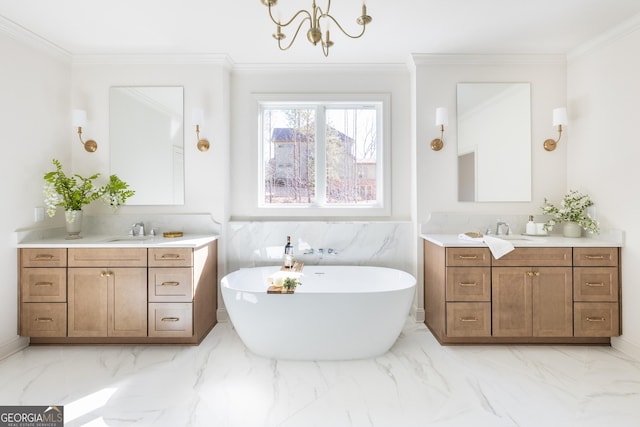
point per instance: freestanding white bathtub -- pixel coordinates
(338, 313)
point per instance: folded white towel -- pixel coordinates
(498, 247)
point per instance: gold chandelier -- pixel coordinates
(314, 33)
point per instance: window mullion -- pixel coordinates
(321, 156)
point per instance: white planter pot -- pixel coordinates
(571, 229)
(73, 220)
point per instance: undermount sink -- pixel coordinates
(129, 239)
(519, 238)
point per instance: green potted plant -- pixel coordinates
(572, 213)
(74, 192)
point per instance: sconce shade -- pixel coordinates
(197, 116)
(78, 118)
(442, 116)
(560, 116)
(559, 120)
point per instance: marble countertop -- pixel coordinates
(518, 240)
(110, 241)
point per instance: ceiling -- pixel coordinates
(242, 30)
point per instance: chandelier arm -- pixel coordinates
(364, 27)
(290, 20)
(295, 35)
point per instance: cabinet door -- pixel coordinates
(511, 310)
(127, 302)
(107, 302)
(87, 302)
(552, 289)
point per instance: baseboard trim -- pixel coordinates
(222, 315)
(625, 346)
(13, 346)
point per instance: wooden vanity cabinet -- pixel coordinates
(530, 295)
(596, 292)
(107, 292)
(120, 295)
(43, 292)
(182, 292)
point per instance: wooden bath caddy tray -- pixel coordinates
(279, 290)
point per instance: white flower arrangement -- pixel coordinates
(573, 208)
(75, 191)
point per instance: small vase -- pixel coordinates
(73, 220)
(571, 229)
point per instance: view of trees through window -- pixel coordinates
(320, 155)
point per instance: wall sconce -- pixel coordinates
(442, 120)
(197, 117)
(559, 119)
(79, 120)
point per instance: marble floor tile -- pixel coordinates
(417, 383)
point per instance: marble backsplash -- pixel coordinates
(258, 243)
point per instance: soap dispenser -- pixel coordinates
(531, 226)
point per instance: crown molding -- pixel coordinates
(154, 59)
(488, 59)
(318, 67)
(627, 27)
(23, 35)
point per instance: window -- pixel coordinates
(325, 155)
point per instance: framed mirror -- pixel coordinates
(146, 138)
(494, 142)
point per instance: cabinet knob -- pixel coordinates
(170, 319)
(106, 274)
(467, 285)
(44, 257)
(595, 319)
(468, 257)
(468, 319)
(594, 256)
(44, 319)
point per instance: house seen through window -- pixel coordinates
(321, 155)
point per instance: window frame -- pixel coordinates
(381, 102)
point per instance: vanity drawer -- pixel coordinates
(108, 257)
(171, 319)
(43, 319)
(43, 257)
(596, 319)
(468, 284)
(170, 257)
(468, 257)
(468, 319)
(170, 285)
(529, 257)
(43, 284)
(598, 284)
(595, 257)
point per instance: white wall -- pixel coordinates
(206, 86)
(603, 152)
(436, 79)
(35, 127)
(352, 79)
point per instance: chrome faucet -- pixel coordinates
(499, 231)
(140, 229)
